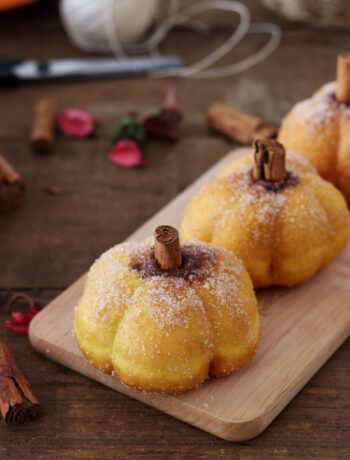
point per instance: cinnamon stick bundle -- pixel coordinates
(238, 125)
(17, 401)
(167, 247)
(12, 186)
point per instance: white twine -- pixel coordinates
(174, 17)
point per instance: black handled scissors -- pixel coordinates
(17, 70)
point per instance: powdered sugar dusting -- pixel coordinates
(114, 284)
(106, 277)
(321, 110)
(245, 211)
(171, 301)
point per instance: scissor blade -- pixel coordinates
(60, 68)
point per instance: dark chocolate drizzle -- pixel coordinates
(291, 179)
(196, 264)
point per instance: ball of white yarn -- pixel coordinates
(85, 21)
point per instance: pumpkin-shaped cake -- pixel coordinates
(281, 218)
(164, 318)
(319, 129)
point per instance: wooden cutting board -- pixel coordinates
(301, 328)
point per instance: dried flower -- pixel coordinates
(129, 128)
(20, 321)
(164, 125)
(76, 123)
(126, 154)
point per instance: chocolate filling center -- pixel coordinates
(194, 258)
(291, 179)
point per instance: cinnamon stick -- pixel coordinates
(343, 78)
(12, 186)
(269, 161)
(238, 125)
(17, 401)
(167, 247)
(258, 168)
(43, 130)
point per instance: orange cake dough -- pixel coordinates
(167, 330)
(284, 231)
(319, 129)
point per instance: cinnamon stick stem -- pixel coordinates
(269, 160)
(258, 168)
(167, 247)
(12, 186)
(43, 130)
(17, 401)
(238, 125)
(343, 78)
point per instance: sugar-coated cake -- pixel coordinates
(167, 330)
(318, 128)
(284, 228)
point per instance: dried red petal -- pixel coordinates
(19, 329)
(20, 322)
(126, 154)
(155, 127)
(163, 125)
(76, 123)
(21, 318)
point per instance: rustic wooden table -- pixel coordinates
(49, 241)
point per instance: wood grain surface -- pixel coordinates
(301, 327)
(50, 241)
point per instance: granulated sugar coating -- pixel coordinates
(167, 331)
(283, 234)
(319, 129)
(319, 110)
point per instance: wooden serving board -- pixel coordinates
(301, 328)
